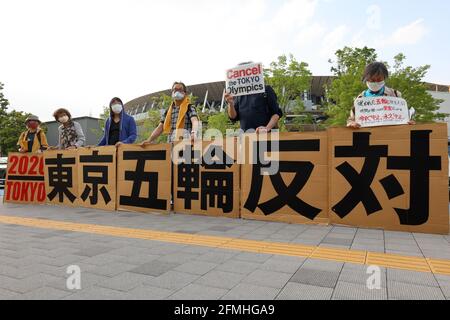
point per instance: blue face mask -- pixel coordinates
(375, 86)
(178, 95)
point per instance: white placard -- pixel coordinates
(245, 80)
(381, 111)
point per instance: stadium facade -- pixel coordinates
(210, 98)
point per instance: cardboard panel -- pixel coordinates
(298, 191)
(97, 178)
(209, 186)
(393, 178)
(61, 177)
(25, 179)
(144, 178)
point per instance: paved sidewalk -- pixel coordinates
(33, 261)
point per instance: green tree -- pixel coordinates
(221, 122)
(11, 125)
(153, 119)
(148, 125)
(4, 103)
(348, 70)
(289, 79)
(409, 81)
(102, 121)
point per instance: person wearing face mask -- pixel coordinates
(180, 120)
(375, 76)
(32, 140)
(120, 128)
(70, 133)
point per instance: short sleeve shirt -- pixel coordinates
(173, 121)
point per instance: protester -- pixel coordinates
(120, 128)
(259, 112)
(70, 133)
(180, 121)
(375, 76)
(33, 140)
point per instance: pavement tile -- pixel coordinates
(154, 268)
(198, 292)
(298, 291)
(246, 291)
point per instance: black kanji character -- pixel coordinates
(217, 186)
(139, 176)
(188, 176)
(361, 191)
(420, 163)
(60, 177)
(96, 180)
(286, 195)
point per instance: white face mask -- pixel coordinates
(178, 95)
(63, 119)
(117, 108)
(375, 86)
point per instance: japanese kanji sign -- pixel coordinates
(381, 111)
(206, 180)
(61, 177)
(297, 191)
(25, 179)
(144, 178)
(394, 178)
(97, 178)
(245, 80)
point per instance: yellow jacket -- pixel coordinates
(37, 145)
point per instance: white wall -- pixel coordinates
(445, 106)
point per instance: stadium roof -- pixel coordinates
(215, 91)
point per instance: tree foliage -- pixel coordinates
(348, 70)
(12, 124)
(289, 79)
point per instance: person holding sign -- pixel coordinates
(70, 133)
(34, 139)
(120, 128)
(255, 111)
(375, 76)
(180, 120)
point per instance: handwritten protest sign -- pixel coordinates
(381, 111)
(25, 179)
(245, 80)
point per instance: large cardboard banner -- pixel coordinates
(291, 186)
(97, 178)
(206, 178)
(144, 178)
(393, 178)
(25, 179)
(245, 80)
(61, 177)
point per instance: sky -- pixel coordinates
(79, 54)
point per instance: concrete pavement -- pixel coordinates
(34, 260)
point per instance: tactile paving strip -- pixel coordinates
(296, 250)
